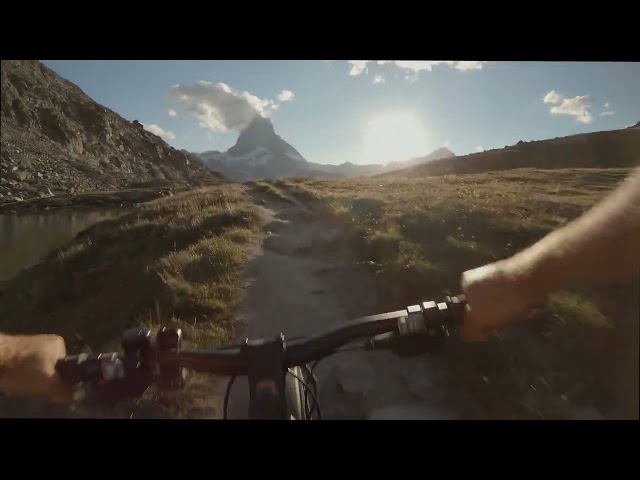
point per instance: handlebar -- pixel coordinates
(162, 360)
(232, 361)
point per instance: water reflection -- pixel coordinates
(26, 238)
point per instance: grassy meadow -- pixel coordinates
(179, 261)
(419, 234)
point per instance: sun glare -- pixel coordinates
(394, 137)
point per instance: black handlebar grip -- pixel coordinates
(71, 369)
(85, 368)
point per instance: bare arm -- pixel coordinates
(602, 246)
(27, 366)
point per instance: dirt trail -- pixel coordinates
(303, 280)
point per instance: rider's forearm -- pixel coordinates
(602, 246)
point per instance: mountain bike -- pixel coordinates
(282, 384)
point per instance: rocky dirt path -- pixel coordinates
(303, 280)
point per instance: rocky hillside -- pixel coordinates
(615, 148)
(57, 140)
(261, 153)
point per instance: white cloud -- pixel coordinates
(413, 67)
(577, 106)
(285, 95)
(166, 135)
(420, 65)
(552, 97)
(219, 107)
(469, 65)
(378, 79)
(411, 77)
(172, 113)
(479, 149)
(357, 67)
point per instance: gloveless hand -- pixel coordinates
(27, 367)
(497, 295)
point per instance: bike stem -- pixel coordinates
(266, 375)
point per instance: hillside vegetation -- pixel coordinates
(418, 235)
(172, 261)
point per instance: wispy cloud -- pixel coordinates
(469, 65)
(607, 112)
(221, 108)
(413, 67)
(172, 113)
(378, 79)
(577, 106)
(479, 149)
(420, 65)
(166, 135)
(285, 96)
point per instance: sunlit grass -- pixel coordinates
(182, 255)
(420, 234)
(176, 261)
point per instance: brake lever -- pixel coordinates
(407, 346)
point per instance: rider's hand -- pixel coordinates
(28, 367)
(496, 297)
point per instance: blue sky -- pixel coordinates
(363, 112)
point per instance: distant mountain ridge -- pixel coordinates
(56, 139)
(349, 169)
(261, 153)
(605, 149)
(438, 154)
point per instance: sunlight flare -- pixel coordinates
(394, 136)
